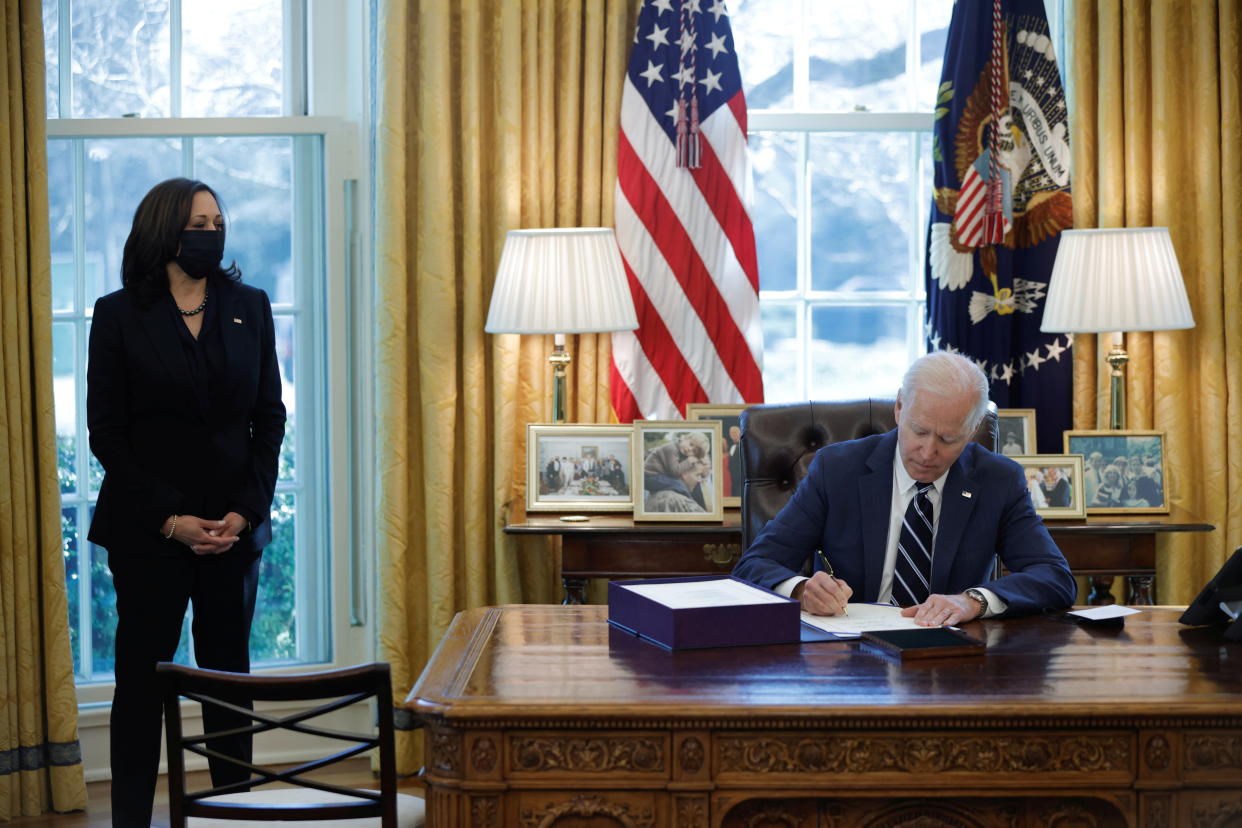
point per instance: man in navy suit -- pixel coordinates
(855, 498)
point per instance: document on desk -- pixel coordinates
(861, 618)
(717, 592)
(1105, 613)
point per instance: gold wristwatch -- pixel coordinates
(981, 598)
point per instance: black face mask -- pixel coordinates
(201, 252)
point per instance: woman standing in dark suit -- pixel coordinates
(185, 416)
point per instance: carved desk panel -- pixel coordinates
(544, 716)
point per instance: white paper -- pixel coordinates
(862, 618)
(722, 592)
(1103, 613)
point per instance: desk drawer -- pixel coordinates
(619, 557)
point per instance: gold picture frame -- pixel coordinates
(1055, 484)
(1015, 432)
(677, 471)
(1144, 491)
(579, 468)
(729, 415)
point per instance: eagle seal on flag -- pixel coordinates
(1001, 199)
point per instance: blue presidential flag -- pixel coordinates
(1002, 197)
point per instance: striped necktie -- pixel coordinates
(912, 574)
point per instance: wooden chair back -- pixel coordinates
(234, 692)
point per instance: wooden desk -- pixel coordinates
(538, 714)
(614, 546)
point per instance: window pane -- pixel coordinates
(120, 58)
(182, 655)
(782, 373)
(858, 56)
(273, 637)
(65, 396)
(51, 55)
(860, 210)
(253, 178)
(69, 551)
(765, 51)
(94, 471)
(103, 614)
(232, 58)
(857, 351)
(286, 468)
(933, 24)
(774, 160)
(96, 475)
(119, 172)
(923, 201)
(60, 221)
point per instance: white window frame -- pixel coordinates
(804, 298)
(802, 122)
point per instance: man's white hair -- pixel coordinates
(948, 375)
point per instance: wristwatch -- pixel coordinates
(981, 598)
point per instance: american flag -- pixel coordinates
(681, 219)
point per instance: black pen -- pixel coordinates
(828, 571)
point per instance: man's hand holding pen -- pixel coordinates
(823, 594)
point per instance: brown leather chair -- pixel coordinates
(780, 440)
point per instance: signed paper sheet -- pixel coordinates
(862, 618)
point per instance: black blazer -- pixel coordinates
(152, 434)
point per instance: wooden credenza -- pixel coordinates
(545, 716)
(614, 546)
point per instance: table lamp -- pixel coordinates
(559, 281)
(1116, 279)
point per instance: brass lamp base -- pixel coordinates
(559, 359)
(1117, 359)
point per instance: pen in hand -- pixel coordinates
(823, 560)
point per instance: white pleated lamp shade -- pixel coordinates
(1116, 279)
(559, 281)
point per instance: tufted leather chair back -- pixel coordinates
(780, 440)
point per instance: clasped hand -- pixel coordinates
(823, 594)
(209, 537)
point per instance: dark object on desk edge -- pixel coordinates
(1225, 586)
(931, 642)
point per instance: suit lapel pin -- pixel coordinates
(238, 321)
(966, 494)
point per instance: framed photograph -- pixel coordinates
(1123, 470)
(676, 470)
(730, 416)
(1055, 484)
(579, 468)
(1016, 431)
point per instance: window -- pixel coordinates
(124, 80)
(840, 99)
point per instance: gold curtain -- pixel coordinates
(40, 759)
(492, 115)
(1156, 116)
